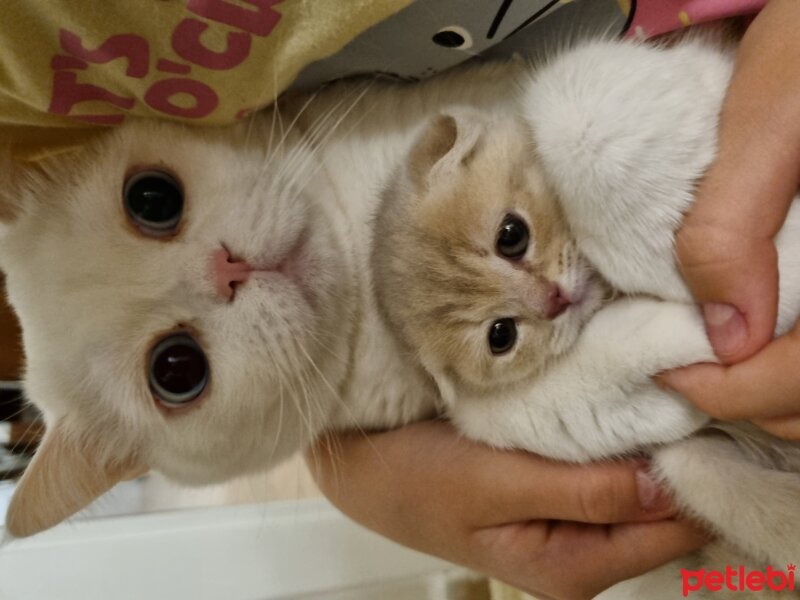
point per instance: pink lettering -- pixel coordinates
(187, 44)
(133, 47)
(730, 575)
(714, 581)
(755, 581)
(260, 21)
(692, 586)
(159, 96)
(67, 92)
(61, 62)
(777, 581)
(167, 66)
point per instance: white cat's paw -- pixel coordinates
(646, 336)
(627, 419)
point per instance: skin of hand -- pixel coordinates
(555, 530)
(725, 246)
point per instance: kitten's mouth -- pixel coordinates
(585, 296)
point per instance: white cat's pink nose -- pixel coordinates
(226, 273)
(557, 302)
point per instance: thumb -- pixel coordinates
(725, 247)
(733, 274)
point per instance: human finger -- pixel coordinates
(764, 386)
(787, 427)
(575, 560)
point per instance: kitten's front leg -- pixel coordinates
(600, 400)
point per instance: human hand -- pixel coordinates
(539, 525)
(725, 247)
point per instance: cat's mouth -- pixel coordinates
(294, 267)
(586, 292)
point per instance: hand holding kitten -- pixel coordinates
(539, 525)
(726, 247)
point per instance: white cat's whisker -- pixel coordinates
(271, 153)
(307, 177)
(318, 134)
(278, 432)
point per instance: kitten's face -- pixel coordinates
(484, 277)
(139, 330)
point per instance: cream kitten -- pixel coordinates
(623, 158)
(473, 262)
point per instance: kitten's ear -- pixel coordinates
(445, 145)
(65, 475)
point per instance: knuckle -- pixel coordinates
(600, 498)
(705, 245)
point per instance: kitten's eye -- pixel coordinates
(513, 237)
(178, 370)
(502, 336)
(153, 201)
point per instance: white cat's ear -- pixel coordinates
(445, 145)
(65, 475)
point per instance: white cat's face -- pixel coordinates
(140, 333)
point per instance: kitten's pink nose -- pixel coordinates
(557, 301)
(226, 272)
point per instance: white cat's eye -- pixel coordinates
(178, 370)
(153, 201)
(502, 335)
(513, 237)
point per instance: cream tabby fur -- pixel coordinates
(303, 349)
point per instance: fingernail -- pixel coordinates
(726, 328)
(652, 496)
